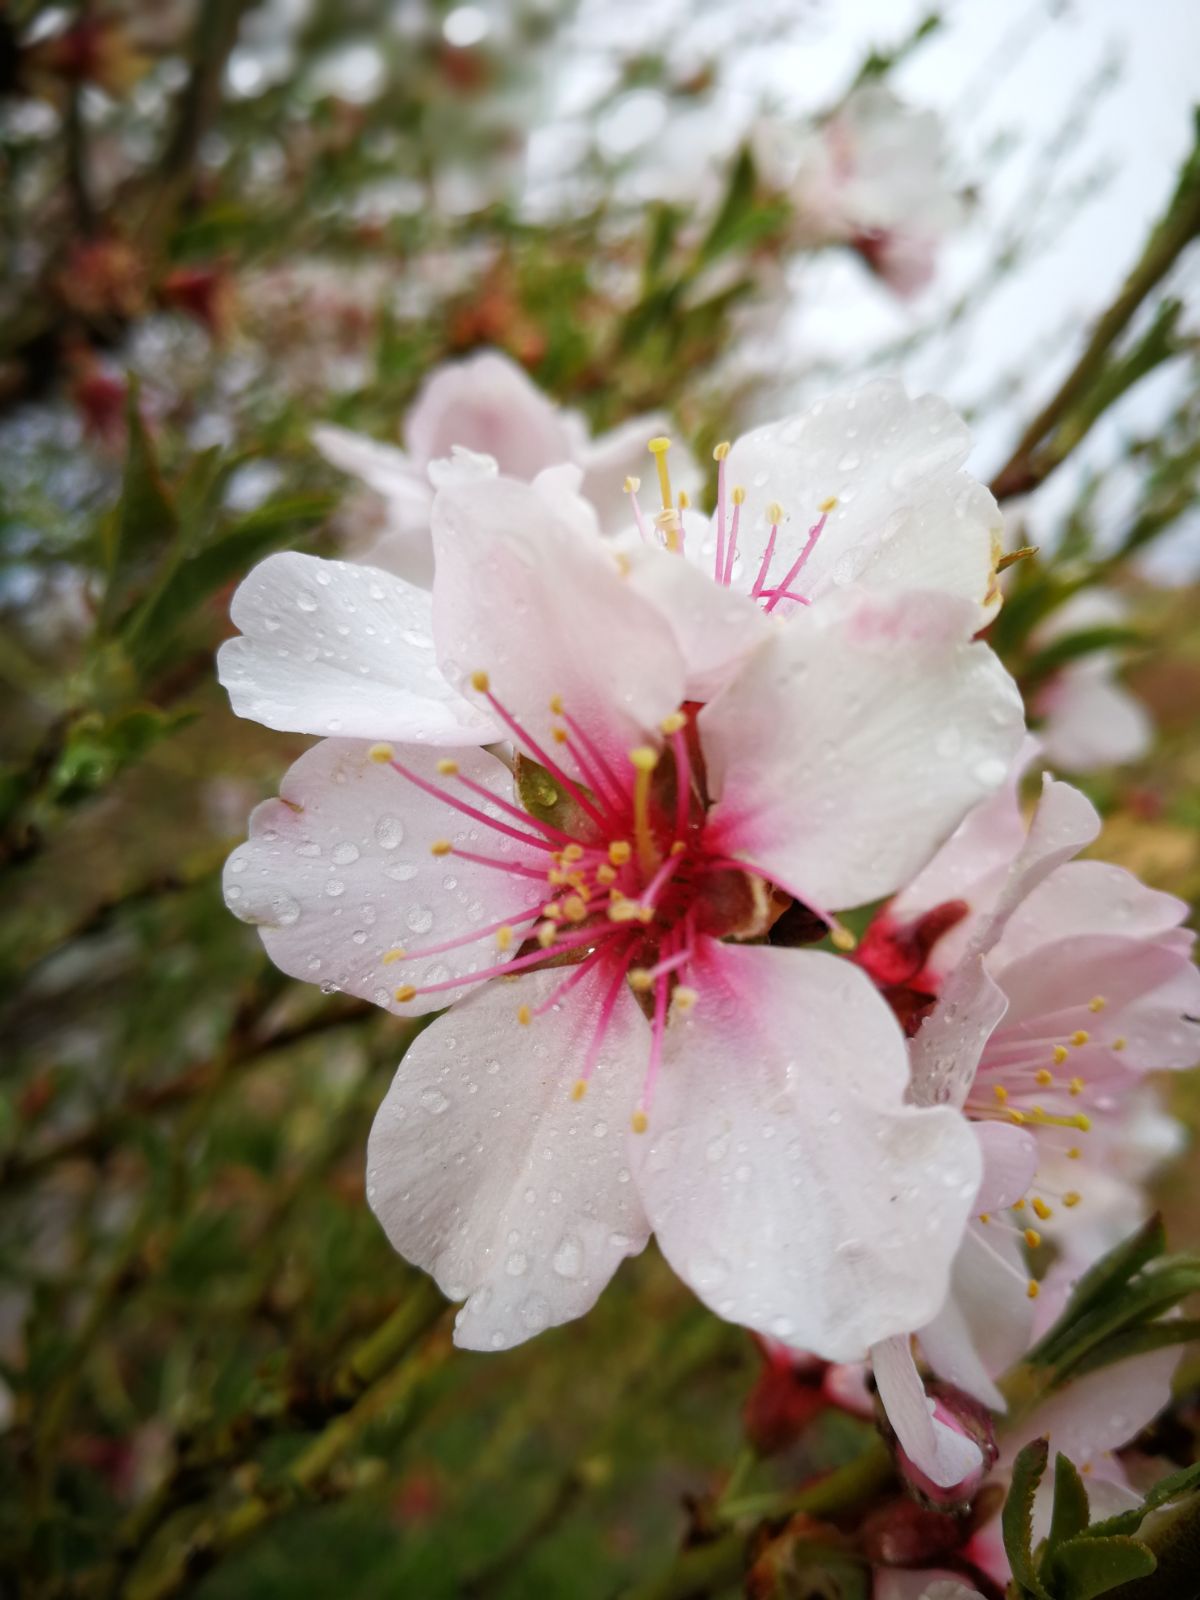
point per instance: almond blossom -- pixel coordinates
(488, 406)
(623, 1051)
(1040, 990)
(872, 176)
(1087, 719)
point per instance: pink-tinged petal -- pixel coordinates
(943, 1455)
(488, 404)
(986, 1322)
(907, 518)
(337, 873)
(854, 741)
(1150, 998)
(486, 1172)
(384, 468)
(621, 453)
(1010, 1158)
(716, 628)
(561, 487)
(786, 1180)
(328, 647)
(1099, 1412)
(846, 1386)
(1091, 722)
(544, 612)
(949, 1043)
(893, 1584)
(1086, 897)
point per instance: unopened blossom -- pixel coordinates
(864, 490)
(488, 406)
(872, 175)
(1087, 719)
(1039, 990)
(624, 1051)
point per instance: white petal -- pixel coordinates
(384, 468)
(853, 743)
(1087, 897)
(941, 1454)
(485, 1172)
(907, 516)
(487, 404)
(893, 1583)
(338, 872)
(1100, 1411)
(986, 1323)
(521, 595)
(330, 647)
(787, 1182)
(1092, 722)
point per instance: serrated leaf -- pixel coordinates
(1017, 1518)
(1100, 1283)
(1086, 1567)
(1072, 1511)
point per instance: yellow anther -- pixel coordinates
(841, 938)
(1060, 1054)
(1041, 1209)
(644, 758)
(1083, 1123)
(504, 938)
(774, 513)
(1032, 1289)
(1077, 1085)
(678, 848)
(658, 449)
(447, 767)
(579, 1089)
(480, 682)
(1071, 1198)
(605, 874)
(632, 485)
(393, 955)
(644, 761)
(674, 722)
(720, 451)
(405, 992)
(985, 1216)
(553, 910)
(1074, 1153)
(440, 847)
(572, 852)
(619, 852)
(524, 1016)
(640, 979)
(1097, 1003)
(827, 505)
(1032, 1238)
(624, 911)
(684, 502)
(1044, 1076)
(1001, 1094)
(556, 704)
(547, 932)
(575, 908)
(382, 753)
(684, 998)
(559, 735)
(639, 1122)
(1119, 1044)
(1018, 1205)
(738, 496)
(1080, 1037)
(1017, 1117)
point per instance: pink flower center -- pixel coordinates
(634, 875)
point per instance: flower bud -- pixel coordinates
(963, 1415)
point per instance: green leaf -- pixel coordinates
(145, 524)
(1074, 646)
(1155, 1291)
(1088, 1566)
(1172, 1487)
(545, 798)
(1071, 1509)
(1138, 1342)
(1100, 1283)
(1017, 1518)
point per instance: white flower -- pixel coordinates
(1087, 720)
(872, 175)
(487, 406)
(601, 945)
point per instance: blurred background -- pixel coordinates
(224, 223)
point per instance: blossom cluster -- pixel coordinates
(601, 781)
